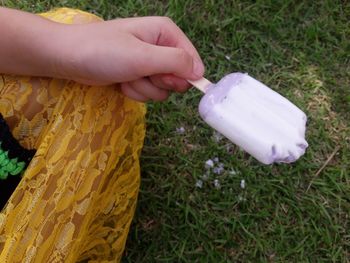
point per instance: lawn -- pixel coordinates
(281, 213)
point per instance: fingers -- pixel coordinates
(131, 93)
(168, 43)
(162, 31)
(171, 35)
(154, 60)
(143, 90)
(147, 89)
(170, 82)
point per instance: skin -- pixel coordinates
(147, 56)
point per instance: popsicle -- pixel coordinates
(257, 119)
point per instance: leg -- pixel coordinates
(78, 195)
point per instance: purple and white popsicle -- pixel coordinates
(259, 120)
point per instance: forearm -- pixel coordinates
(28, 44)
(147, 56)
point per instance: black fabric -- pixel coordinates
(15, 150)
(10, 144)
(7, 187)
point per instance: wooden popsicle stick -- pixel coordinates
(201, 84)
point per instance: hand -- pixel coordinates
(149, 56)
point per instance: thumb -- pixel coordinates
(169, 60)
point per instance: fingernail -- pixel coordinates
(198, 68)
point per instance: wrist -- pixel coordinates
(66, 49)
(57, 50)
(52, 48)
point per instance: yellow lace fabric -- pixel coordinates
(77, 197)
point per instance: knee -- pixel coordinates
(71, 16)
(81, 17)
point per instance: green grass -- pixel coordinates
(302, 50)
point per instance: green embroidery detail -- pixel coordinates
(3, 155)
(3, 174)
(8, 165)
(19, 168)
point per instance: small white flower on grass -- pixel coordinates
(228, 57)
(217, 136)
(219, 169)
(205, 176)
(232, 172)
(180, 130)
(199, 184)
(209, 164)
(217, 184)
(242, 183)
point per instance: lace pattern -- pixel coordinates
(77, 197)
